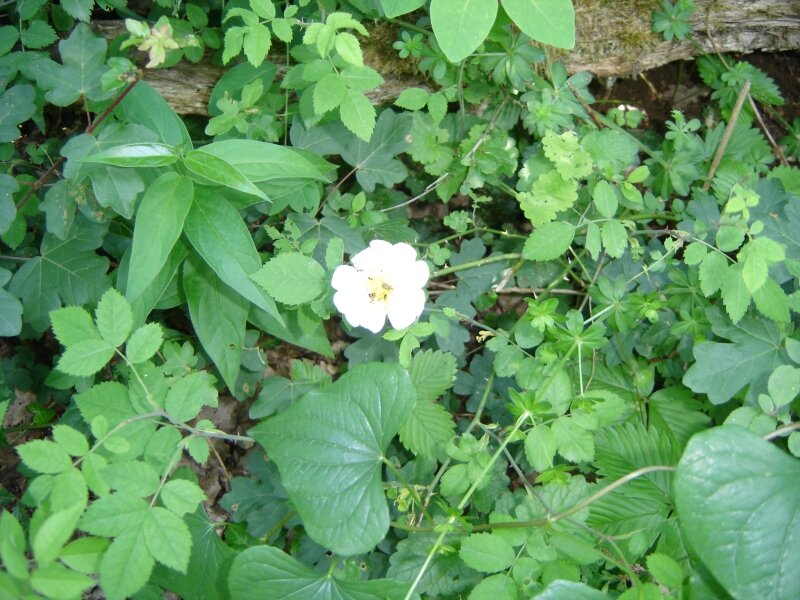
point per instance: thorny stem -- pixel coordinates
(47, 174)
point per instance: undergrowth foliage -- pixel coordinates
(596, 401)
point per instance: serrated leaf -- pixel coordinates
(126, 565)
(292, 278)
(349, 49)
(735, 295)
(615, 238)
(12, 546)
(71, 440)
(54, 532)
(73, 324)
(144, 343)
(550, 195)
(269, 574)
(460, 26)
(114, 318)
(665, 570)
(55, 581)
(189, 394)
(713, 271)
(358, 114)
(736, 495)
(487, 552)
(605, 199)
(44, 456)
(549, 241)
(181, 496)
(339, 494)
(168, 538)
(38, 35)
(772, 302)
(79, 9)
(85, 358)
(540, 447)
(574, 443)
(256, 45)
(374, 161)
(428, 431)
(413, 98)
(547, 21)
(84, 554)
(115, 514)
(432, 372)
(328, 93)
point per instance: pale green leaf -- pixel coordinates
(84, 554)
(358, 114)
(126, 565)
(144, 343)
(713, 272)
(292, 278)
(772, 302)
(181, 496)
(85, 358)
(57, 582)
(605, 199)
(189, 394)
(547, 21)
(73, 324)
(487, 552)
(54, 532)
(412, 98)
(784, 384)
(71, 440)
(349, 49)
(44, 456)
(114, 317)
(540, 447)
(665, 570)
(615, 238)
(460, 26)
(433, 373)
(735, 295)
(168, 538)
(574, 443)
(549, 241)
(328, 93)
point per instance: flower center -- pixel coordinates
(379, 289)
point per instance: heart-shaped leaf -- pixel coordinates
(329, 448)
(737, 499)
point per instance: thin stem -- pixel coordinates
(726, 136)
(783, 430)
(473, 264)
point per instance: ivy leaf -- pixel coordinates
(460, 26)
(722, 369)
(339, 494)
(374, 161)
(67, 272)
(736, 495)
(292, 278)
(16, 106)
(268, 573)
(83, 55)
(358, 114)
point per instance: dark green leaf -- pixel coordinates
(16, 106)
(207, 168)
(487, 552)
(339, 494)
(269, 574)
(144, 106)
(219, 316)
(374, 161)
(737, 496)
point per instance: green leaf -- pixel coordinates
(328, 93)
(433, 373)
(219, 235)
(413, 98)
(73, 324)
(16, 106)
(114, 318)
(615, 238)
(257, 42)
(772, 302)
(574, 443)
(144, 343)
(159, 223)
(361, 79)
(207, 168)
(349, 49)
(12, 546)
(126, 565)
(144, 106)
(358, 114)
(219, 316)
(44, 456)
(429, 429)
(784, 385)
(540, 447)
(115, 514)
(189, 394)
(135, 155)
(721, 370)
(181, 496)
(665, 570)
(736, 495)
(713, 272)
(605, 198)
(569, 590)
(339, 494)
(460, 26)
(395, 8)
(38, 35)
(269, 574)
(84, 554)
(549, 241)
(547, 21)
(83, 55)
(487, 552)
(292, 278)
(168, 538)
(79, 9)
(71, 440)
(85, 358)
(54, 532)
(550, 195)
(496, 587)
(67, 271)
(55, 581)
(735, 295)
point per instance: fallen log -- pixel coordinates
(614, 39)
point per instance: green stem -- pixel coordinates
(474, 264)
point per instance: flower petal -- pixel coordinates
(405, 306)
(373, 317)
(346, 277)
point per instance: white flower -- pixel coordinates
(385, 281)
